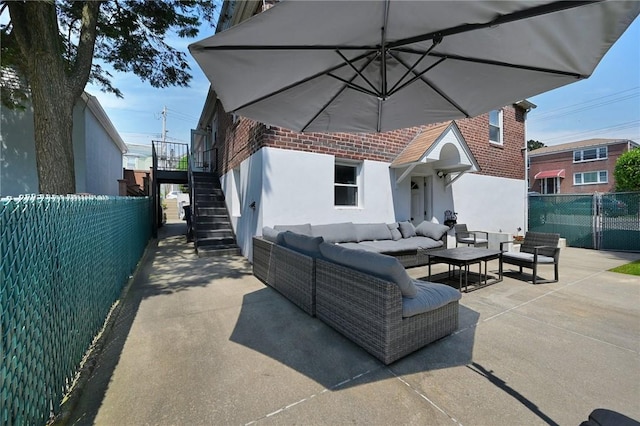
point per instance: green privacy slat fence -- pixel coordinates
(596, 221)
(620, 225)
(64, 261)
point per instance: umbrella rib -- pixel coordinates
(435, 89)
(348, 62)
(423, 55)
(507, 65)
(334, 97)
(416, 76)
(297, 83)
(354, 86)
(501, 19)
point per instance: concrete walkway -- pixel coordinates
(203, 342)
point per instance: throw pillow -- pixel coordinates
(304, 229)
(386, 267)
(395, 232)
(407, 229)
(432, 230)
(303, 244)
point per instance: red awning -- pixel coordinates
(549, 174)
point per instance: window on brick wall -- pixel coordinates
(590, 154)
(346, 184)
(591, 178)
(495, 126)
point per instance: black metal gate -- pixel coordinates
(598, 221)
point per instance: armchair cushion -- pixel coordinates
(271, 234)
(432, 230)
(430, 296)
(525, 257)
(380, 265)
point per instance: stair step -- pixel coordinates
(211, 203)
(204, 226)
(214, 233)
(211, 211)
(219, 252)
(215, 241)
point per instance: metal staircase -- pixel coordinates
(211, 226)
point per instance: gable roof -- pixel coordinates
(579, 144)
(420, 145)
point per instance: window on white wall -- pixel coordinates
(591, 178)
(346, 184)
(495, 126)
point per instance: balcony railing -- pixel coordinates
(171, 156)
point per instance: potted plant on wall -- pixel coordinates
(519, 238)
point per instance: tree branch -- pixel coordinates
(84, 56)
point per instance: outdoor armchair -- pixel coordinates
(473, 238)
(537, 248)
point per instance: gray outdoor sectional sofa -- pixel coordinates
(353, 287)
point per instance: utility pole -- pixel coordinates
(164, 124)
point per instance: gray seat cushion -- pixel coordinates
(336, 232)
(372, 231)
(432, 230)
(360, 246)
(430, 296)
(304, 244)
(405, 244)
(386, 267)
(528, 257)
(304, 229)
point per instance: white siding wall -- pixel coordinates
(18, 173)
(103, 159)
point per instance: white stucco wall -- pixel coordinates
(291, 187)
(491, 204)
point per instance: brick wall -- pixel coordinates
(237, 141)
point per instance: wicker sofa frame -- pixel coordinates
(289, 272)
(368, 311)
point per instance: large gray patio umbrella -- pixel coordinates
(372, 66)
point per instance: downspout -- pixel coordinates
(527, 106)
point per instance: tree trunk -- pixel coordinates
(56, 84)
(53, 123)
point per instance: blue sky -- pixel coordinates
(606, 105)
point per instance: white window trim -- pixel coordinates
(598, 158)
(599, 182)
(501, 127)
(358, 185)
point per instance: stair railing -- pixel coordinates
(192, 222)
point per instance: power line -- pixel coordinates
(609, 129)
(585, 104)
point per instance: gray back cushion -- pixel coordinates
(304, 229)
(386, 267)
(432, 230)
(407, 229)
(304, 244)
(372, 231)
(336, 232)
(270, 234)
(395, 231)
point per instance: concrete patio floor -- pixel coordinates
(201, 341)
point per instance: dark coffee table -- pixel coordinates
(465, 257)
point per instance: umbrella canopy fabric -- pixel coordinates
(372, 66)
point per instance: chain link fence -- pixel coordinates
(597, 221)
(64, 261)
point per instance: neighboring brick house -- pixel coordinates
(576, 167)
(271, 175)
